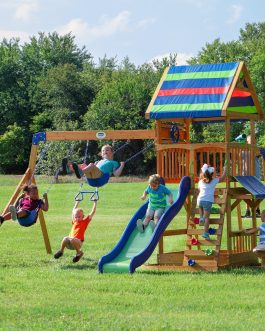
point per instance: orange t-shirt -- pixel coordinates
(79, 228)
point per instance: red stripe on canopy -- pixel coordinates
(188, 91)
(238, 93)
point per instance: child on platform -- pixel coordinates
(77, 235)
(261, 246)
(99, 168)
(26, 202)
(205, 199)
(157, 202)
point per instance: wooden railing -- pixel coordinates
(177, 160)
(242, 242)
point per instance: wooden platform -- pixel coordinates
(173, 261)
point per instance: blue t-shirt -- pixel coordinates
(157, 198)
(107, 166)
(262, 233)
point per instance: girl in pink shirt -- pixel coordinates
(26, 203)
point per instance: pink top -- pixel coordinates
(28, 204)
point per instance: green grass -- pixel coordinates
(40, 293)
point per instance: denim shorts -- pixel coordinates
(205, 205)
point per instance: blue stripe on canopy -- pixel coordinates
(240, 102)
(199, 98)
(194, 83)
(186, 114)
(204, 68)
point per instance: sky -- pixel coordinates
(143, 30)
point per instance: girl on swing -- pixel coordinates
(96, 170)
(27, 202)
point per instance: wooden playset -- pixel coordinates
(208, 93)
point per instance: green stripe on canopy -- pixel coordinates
(187, 106)
(245, 109)
(200, 75)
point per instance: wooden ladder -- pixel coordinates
(200, 253)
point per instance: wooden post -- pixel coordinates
(228, 206)
(12, 200)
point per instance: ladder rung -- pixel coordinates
(198, 253)
(205, 242)
(200, 231)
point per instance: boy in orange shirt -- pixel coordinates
(77, 234)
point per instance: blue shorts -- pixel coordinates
(205, 205)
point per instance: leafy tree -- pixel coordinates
(12, 144)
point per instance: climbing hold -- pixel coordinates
(196, 220)
(194, 241)
(215, 210)
(191, 262)
(212, 231)
(209, 251)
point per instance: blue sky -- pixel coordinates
(139, 29)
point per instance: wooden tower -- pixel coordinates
(207, 93)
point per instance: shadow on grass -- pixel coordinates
(255, 270)
(86, 263)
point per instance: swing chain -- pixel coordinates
(140, 152)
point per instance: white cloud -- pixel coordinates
(182, 58)
(145, 22)
(109, 26)
(23, 36)
(235, 14)
(25, 10)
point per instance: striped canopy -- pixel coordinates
(200, 91)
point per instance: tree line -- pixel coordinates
(51, 84)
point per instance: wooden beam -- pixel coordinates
(147, 113)
(12, 200)
(231, 89)
(100, 135)
(253, 92)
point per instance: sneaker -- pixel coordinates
(140, 225)
(78, 257)
(201, 221)
(1, 220)
(65, 166)
(257, 212)
(58, 254)
(78, 172)
(205, 235)
(247, 214)
(13, 212)
(153, 225)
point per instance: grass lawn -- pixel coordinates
(40, 293)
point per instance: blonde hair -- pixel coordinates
(104, 146)
(78, 210)
(154, 179)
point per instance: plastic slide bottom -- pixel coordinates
(135, 244)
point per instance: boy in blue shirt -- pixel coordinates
(157, 202)
(261, 246)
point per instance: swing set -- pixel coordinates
(36, 157)
(104, 179)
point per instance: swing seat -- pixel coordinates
(30, 219)
(98, 182)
